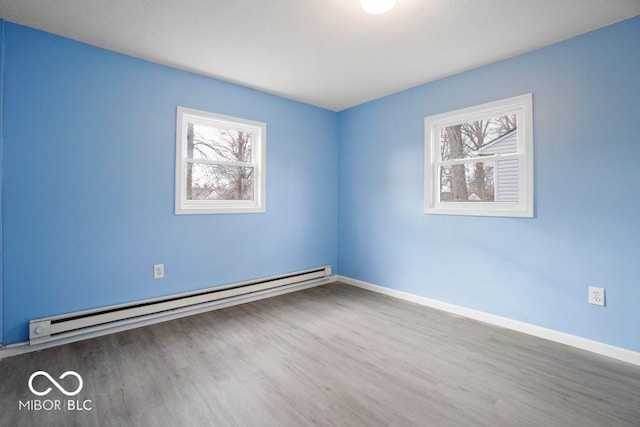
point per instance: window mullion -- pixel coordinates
(219, 162)
(483, 159)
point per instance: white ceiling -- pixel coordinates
(323, 52)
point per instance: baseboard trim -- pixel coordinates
(24, 347)
(597, 347)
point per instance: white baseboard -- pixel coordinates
(24, 347)
(618, 353)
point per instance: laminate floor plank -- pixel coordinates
(334, 355)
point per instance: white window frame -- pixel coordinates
(258, 161)
(522, 106)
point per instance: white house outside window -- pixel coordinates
(220, 163)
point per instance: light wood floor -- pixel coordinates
(332, 355)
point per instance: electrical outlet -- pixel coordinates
(158, 271)
(596, 296)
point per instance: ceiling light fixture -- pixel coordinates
(377, 7)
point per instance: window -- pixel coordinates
(479, 160)
(220, 163)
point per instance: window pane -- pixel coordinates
(212, 143)
(470, 182)
(496, 135)
(216, 182)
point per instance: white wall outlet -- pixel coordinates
(596, 296)
(158, 271)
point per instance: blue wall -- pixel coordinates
(586, 229)
(88, 191)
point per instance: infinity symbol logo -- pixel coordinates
(55, 383)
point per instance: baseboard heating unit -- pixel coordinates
(174, 306)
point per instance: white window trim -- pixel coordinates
(259, 162)
(521, 105)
